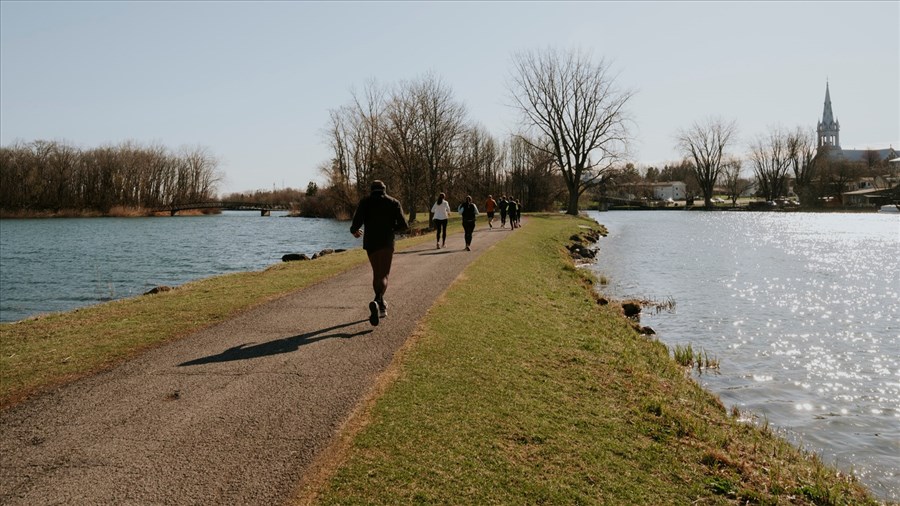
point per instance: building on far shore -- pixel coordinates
(828, 132)
(865, 191)
(871, 192)
(663, 190)
(674, 190)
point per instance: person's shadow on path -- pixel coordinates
(442, 251)
(285, 345)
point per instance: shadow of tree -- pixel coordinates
(285, 345)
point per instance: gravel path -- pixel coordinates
(234, 414)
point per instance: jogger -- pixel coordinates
(379, 216)
(441, 213)
(468, 211)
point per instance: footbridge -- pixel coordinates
(606, 202)
(264, 209)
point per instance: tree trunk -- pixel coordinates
(572, 208)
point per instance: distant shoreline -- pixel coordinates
(144, 213)
(113, 213)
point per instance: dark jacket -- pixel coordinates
(469, 211)
(512, 208)
(379, 215)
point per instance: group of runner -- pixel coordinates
(510, 207)
(440, 212)
(379, 216)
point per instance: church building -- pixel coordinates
(829, 135)
(864, 191)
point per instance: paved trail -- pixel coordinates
(234, 414)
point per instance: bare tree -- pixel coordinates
(400, 141)
(199, 174)
(62, 164)
(366, 126)
(872, 159)
(573, 109)
(705, 144)
(441, 123)
(54, 176)
(338, 170)
(15, 167)
(805, 161)
(771, 158)
(478, 164)
(837, 175)
(731, 179)
(531, 175)
(354, 134)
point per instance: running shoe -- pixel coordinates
(373, 313)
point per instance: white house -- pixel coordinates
(675, 190)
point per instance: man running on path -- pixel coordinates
(469, 211)
(489, 206)
(503, 205)
(379, 215)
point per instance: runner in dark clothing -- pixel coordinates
(468, 211)
(513, 210)
(502, 203)
(379, 215)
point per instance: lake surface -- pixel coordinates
(60, 264)
(801, 309)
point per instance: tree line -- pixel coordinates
(777, 158)
(415, 135)
(55, 176)
(774, 164)
(417, 138)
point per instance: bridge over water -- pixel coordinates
(606, 202)
(264, 209)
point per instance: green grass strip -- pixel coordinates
(521, 389)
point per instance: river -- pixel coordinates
(802, 310)
(60, 264)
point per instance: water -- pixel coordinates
(49, 265)
(802, 311)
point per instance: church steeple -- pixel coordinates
(828, 128)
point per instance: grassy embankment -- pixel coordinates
(517, 389)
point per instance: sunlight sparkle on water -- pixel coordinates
(806, 318)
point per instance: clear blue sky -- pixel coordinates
(254, 81)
